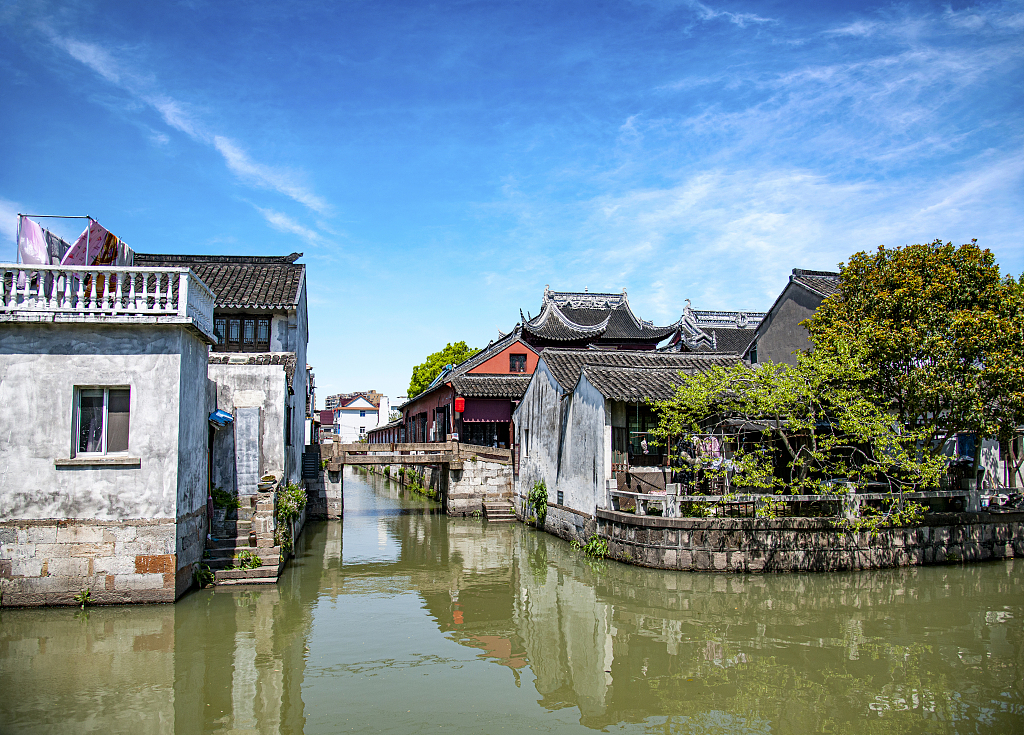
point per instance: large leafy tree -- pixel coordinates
(801, 426)
(938, 334)
(424, 373)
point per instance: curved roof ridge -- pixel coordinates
(550, 307)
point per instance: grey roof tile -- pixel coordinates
(823, 283)
(567, 365)
(491, 386)
(241, 281)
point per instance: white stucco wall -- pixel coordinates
(537, 426)
(348, 422)
(163, 367)
(580, 472)
(246, 386)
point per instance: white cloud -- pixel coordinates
(265, 176)
(704, 12)
(9, 228)
(283, 223)
(176, 115)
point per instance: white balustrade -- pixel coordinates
(106, 291)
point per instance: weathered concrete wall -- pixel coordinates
(128, 532)
(538, 432)
(780, 334)
(40, 365)
(566, 442)
(806, 544)
(298, 327)
(194, 408)
(251, 386)
(334, 489)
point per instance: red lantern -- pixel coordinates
(460, 404)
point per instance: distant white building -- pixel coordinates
(358, 413)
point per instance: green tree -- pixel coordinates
(938, 335)
(795, 429)
(424, 373)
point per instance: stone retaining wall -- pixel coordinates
(804, 544)
(48, 562)
(462, 491)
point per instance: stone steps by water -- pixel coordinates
(500, 511)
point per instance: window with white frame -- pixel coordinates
(101, 420)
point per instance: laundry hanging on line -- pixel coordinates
(103, 246)
(32, 243)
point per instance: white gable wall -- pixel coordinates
(563, 444)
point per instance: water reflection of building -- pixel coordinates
(623, 644)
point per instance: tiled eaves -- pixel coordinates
(566, 365)
(491, 386)
(285, 359)
(240, 282)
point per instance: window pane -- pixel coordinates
(264, 333)
(219, 329)
(233, 335)
(117, 421)
(250, 332)
(90, 421)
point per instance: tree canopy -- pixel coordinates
(918, 344)
(424, 373)
(938, 335)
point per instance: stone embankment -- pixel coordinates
(788, 544)
(464, 491)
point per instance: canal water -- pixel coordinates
(401, 620)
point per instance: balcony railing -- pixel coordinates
(79, 292)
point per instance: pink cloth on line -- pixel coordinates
(32, 244)
(104, 248)
(31, 247)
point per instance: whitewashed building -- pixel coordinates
(582, 423)
(356, 414)
(103, 462)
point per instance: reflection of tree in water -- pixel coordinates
(909, 650)
(728, 653)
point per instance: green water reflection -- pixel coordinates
(402, 620)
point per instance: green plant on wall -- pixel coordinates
(247, 560)
(596, 547)
(537, 500)
(289, 502)
(84, 597)
(224, 499)
(203, 576)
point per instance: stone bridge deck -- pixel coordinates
(452, 454)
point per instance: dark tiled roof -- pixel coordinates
(730, 341)
(553, 324)
(491, 386)
(823, 283)
(569, 316)
(285, 359)
(633, 384)
(566, 365)
(241, 281)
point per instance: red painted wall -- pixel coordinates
(498, 364)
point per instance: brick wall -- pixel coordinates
(48, 562)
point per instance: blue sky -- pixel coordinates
(439, 163)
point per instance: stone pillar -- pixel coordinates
(248, 446)
(334, 490)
